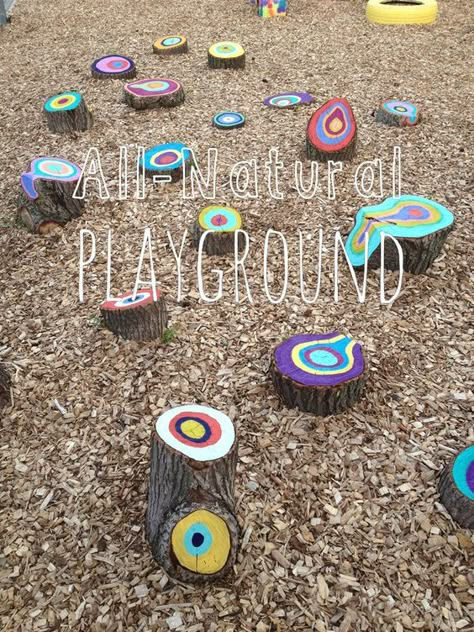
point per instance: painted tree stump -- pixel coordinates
(166, 160)
(322, 374)
(67, 112)
(397, 113)
(456, 488)
(139, 318)
(191, 523)
(228, 120)
(223, 221)
(226, 55)
(5, 385)
(332, 132)
(272, 8)
(46, 197)
(286, 100)
(171, 45)
(113, 67)
(420, 226)
(146, 94)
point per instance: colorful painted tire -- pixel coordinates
(146, 94)
(113, 67)
(166, 159)
(397, 113)
(171, 45)
(288, 100)
(224, 221)
(226, 55)
(332, 132)
(385, 12)
(228, 120)
(456, 488)
(136, 318)
(67, 112)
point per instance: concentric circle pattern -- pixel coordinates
(288, 100)
(166, 157)
(463, 472)
(226, 50)
(113, 65)
(402, 108)
(128, 301)
(220, 218)
(153, 87)
(228, 120)
(63, 102)
(170, 42)
(332, 127)
(48, 168)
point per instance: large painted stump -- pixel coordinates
(67, 112)
(223, 221)
(166, 160)
(146, 94)
(397, 113)
(226, 55)
(456, 488)
(319, 373)
(420, 226)
(139, 318)
(171, 45)
(46, 197)
(191, 523)
(5, 384)
(332, 132)
(285, 100)
(272, 8)
(113, 67)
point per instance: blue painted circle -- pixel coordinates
(228, 120)
(462, 472)
(198, 539)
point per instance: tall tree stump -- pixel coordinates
(272, 8)
(171, 45)
(226, 55)
(456, 488)
(397, 113)
(224, 221)
(420, 226)
(113, 67)
(166, 160)
(67, 112)
(147, 94)
(5, 385)
(139, 318)
(46, 197)
(322, 374)
(332, 132)
(191, 523)
(285, 100)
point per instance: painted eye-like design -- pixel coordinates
(48, 168)
(220, 218)
(63, 102)
(332, 126)
(228, 120)
(171, 45)
(126, 301)
(226, 49)
(113, 66)
(288, 100)
(408, 111)
(152, 87)
(164, 157)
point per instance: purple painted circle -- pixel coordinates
(470, 477)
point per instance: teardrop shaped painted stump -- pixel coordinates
(226, 55)
(67, 112)
(113, 67)
(46, 193)
(397, 113)
(322, 374)
(190, 522)
(166, 160)
(224, 221)
(141, 318)
(171, 45)
(147, 94)
(456, 488)
(420, 226)
(5, 384)
(332, 132)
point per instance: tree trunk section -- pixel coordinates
(153, 102)
(319, 155)
(136, 322)
(5, 385)
(160, 47)
(217, 243)
(458, 504)
(64, 121)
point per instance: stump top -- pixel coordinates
(48, 168)
(170, 42)
(113, 65)
(226, 50)
(409, 111)
(152, 87)
(408, 216)
(63, 102)
(332, 127)
(288, 99)
(199, 432)
(126, 301)
(320, 359)
(463, 472)
(223, 219)
(228, 120)
(164, 157)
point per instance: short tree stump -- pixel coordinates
(226, 55)
(67, 112)
(147, 94)
(285, 100)
(5, 385)
(139, 318)
(456, 488)
(397, 113)
(332, 132)
(171, 45)
(224, 221)
(113, 67)
(228, 120)
(166, 160)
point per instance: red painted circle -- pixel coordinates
(219, 220)
(415, 212)
(213, 425)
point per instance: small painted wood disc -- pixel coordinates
(463, 472)
(408, 111)
(48, 168)
(199, 432)
(126, 301)
(113, 65)
(226, 50)
(320, 359)
(228, 120)
(332, 127)
(288, 100)
(222, 219)
(171, 44)
(63, 102)
(166, 157)
(152, 87)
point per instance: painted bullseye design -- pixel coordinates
(463, 472)
(58, 169)
(126, 301)
(171, 45)
(63, 102)
(153, 87)
(113, 65)
(288, 100)
(228, 120)
(226, 50)
(408, 110)
(164, 157)
(220, 218)
(332, 132)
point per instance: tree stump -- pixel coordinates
(166, 160)
(67, 112)
(397, 113)
(46, 197)
(288, 100)
(420, 226)
(5, 385)
(226, 55)
(146, 94)
(191, 523)
(272, 8)
(322, 374)
(113, 67)
(171, 45)
(224, 221)
(332, 132)
(141, 318)
(228, 120)
(456, 488)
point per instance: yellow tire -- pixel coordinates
(410, 12)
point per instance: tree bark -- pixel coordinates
(152, 102)
(138, 322)
(170, 50)
(459, 506)
(319, 155)
(217, 243)
(5, 385)
(63, 121)
(226, 62)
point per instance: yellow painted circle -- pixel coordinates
(226, 50)
(223, 219)
(192, 428)
(382, 12)
(201, 542)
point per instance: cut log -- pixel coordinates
(272, 8)
(139, 318)
(332, 132)
(113, 67)
(166, 160)
(419, 225)
(171, 45)
(224, 221)
(228, 120)
(322, 374)
(288, 100)
(226, 55)
(191, 523)
(5, 385)
(67, 112)
(147, 94)
(46, 197)
(397, 113)
(456, 488)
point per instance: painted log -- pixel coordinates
(136, 318)
(67, 112)
(285, 100)
(226, 55)
(147, 94)
(322, 374)
(171, 45)
(166, 160)
(46, 193)
(5, 385)
(113, 67)
(420, 226)
(332, 132)
(228, 120)
(272, 8)
(456, 488)
(190, 522)
(397, 113)
(223, 221)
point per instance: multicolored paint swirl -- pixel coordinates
(152, 87)
(223, 219)
(319, 359)
(405, 109)
(166, 157)
(63, 102)
(408, 216)
(288, 99)
(113, 65)
(332, 127)
(463, 472)
(48, 168)
(126, 301)
(272, 8)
